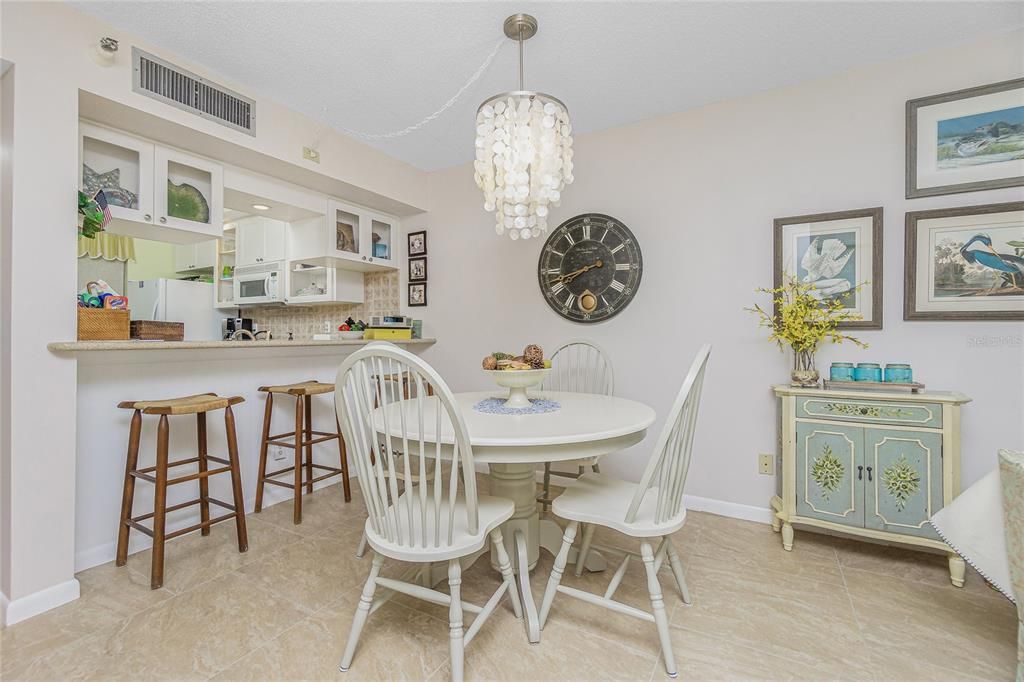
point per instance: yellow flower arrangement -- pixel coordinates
(803, 321)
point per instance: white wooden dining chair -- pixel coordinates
(648, 510)
(576, 367)
(441, 519)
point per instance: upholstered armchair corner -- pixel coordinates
(1011, 474)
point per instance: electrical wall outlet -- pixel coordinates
(311, 155)
(766, 464)
(278, 454)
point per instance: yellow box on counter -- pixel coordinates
(384, 334)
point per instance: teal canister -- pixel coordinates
(899, 373)
(867, 371)
(841, 371)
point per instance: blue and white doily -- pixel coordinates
(497, 406)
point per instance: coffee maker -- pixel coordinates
(230, 325)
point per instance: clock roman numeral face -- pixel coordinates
(590, 268)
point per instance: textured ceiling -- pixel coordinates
(381, 66)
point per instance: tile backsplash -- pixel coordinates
(381, 297)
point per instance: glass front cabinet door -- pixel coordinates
(189, 192)
(121, 166)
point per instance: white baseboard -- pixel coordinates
(733, 510)
(38, 602)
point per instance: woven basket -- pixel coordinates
(103, 324)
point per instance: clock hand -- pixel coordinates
(573, 275)
(568, 277)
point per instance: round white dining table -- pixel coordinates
(584, 426)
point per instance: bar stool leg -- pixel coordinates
(297, 486)
(236, 480)
(156, 578)
(263, 451)
(128, 495)
(342, 450)
(309, 446)
(204, 481)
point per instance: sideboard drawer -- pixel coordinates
(928, 415)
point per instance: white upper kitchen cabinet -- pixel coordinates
(189, 192)
(120, 165)
(351, 238)
(201, 256)
(154, 192)
(259, 240)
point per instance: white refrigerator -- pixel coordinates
(176, 300)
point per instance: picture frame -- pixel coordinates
(969, 276)
(417, 242)
(966, 141)
(839, 250)
(417, 295)
(418, 269)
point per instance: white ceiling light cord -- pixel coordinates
(447, 105)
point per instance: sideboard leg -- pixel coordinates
(957, 570)
(787, 537)
(776, 505)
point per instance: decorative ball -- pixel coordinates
(490, 362)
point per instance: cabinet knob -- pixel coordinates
(860, 473)
(163, 219)
(364, 257)
(869, 474)
(147, 217)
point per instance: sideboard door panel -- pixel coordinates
(906, 480)
(827, 461)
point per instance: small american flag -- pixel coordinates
(101, 201)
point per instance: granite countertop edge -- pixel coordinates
(81, 346)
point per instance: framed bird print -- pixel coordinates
(840, 254)
(966, 141)
(965, 263)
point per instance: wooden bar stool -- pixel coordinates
(198, 405)
(303, 438)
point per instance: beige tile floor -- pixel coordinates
(831, 609)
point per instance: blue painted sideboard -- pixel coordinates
(873, 464)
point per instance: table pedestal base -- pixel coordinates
(525, 533)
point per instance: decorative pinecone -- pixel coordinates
(490, 362)
(534, 355)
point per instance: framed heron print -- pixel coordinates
(840, 254)
(965, 263)
(966, 141)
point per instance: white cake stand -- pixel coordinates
(517, 381)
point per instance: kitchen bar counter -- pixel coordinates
(84, 346)
(113, 371)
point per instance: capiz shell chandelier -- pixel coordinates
(523, 150)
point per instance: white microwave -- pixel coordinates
(262, 283)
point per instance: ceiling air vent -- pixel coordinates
(161, 80)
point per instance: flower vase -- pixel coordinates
(804, 374)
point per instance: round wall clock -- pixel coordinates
(590, 268)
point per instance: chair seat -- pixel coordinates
(301, 388)
(493, 511)
(191, 404)
(604, 500)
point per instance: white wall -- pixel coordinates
(700, 190)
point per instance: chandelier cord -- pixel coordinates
(445, 107)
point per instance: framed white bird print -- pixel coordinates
(839, 253)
